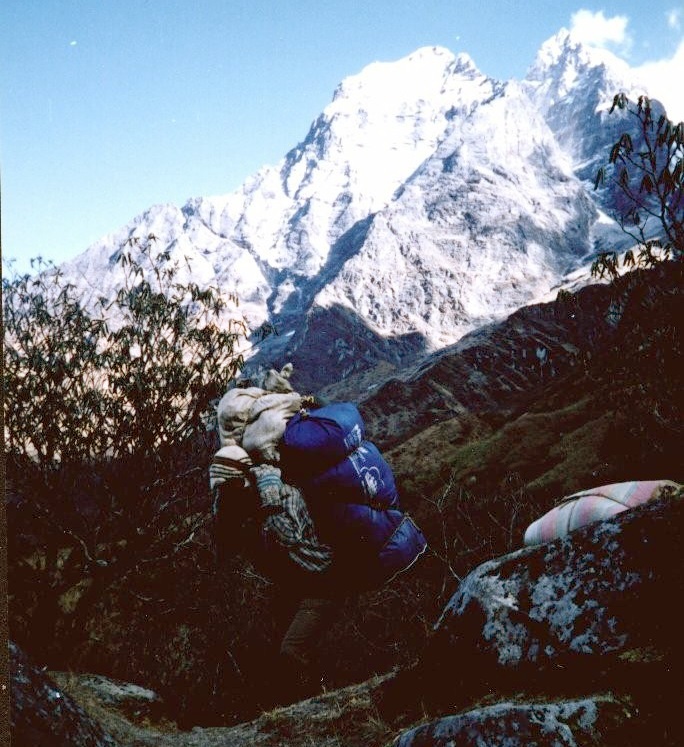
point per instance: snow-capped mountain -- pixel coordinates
(425, 200)
(572, 86)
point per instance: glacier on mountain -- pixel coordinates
(426, 199)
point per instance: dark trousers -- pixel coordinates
(311, 619)
(305, 621)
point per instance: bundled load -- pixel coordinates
(348, 486)
(582, 508)
(251, 422)
(350, 489)
(255, 417)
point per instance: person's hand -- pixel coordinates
(268, 484)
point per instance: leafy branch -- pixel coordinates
(646, 168)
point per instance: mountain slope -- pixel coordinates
(425, 200)
(491, 220)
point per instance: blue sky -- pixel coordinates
(110, 106)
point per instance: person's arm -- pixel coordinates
(286, 522)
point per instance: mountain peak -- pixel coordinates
(425, 199)
(430, 52)
(570, 80)
(423, 74)
(465, 64)
(563, 57)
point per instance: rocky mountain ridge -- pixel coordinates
(427, 199)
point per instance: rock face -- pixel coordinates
(586, 594)
(44, 716)
(570, 724)
(558, 617)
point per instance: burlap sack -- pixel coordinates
(255, 417)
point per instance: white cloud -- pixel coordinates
(597, 30)
(674, 19)
(663, 81)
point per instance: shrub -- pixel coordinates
(105, 434)
(646, 170)
(127, 377)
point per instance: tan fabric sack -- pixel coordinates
(233, 413)
(266, 425)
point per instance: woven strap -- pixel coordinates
(234, 463)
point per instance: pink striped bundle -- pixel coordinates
(579, 509)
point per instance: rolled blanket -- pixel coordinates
(586, 506)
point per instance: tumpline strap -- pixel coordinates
(241, 466)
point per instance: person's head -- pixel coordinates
(235, 501)
(235, 525)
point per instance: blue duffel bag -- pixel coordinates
(362, 477)
(382, 542)
(314, 440)
(406, 544)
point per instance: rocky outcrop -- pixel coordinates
(570, 724)
(42, 715)
(587, 594)
(590, 611)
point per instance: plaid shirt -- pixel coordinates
(288, 529)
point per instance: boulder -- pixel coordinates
(571, 723)
(42, 715)
(588, 593)
(558, 617)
